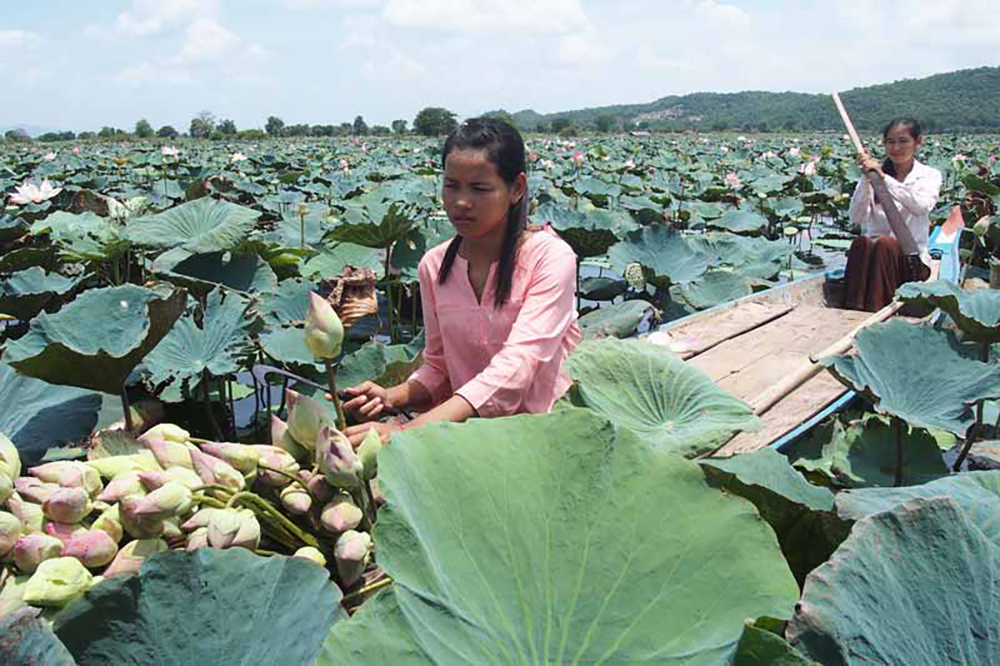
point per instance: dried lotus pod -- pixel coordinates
(352, 294)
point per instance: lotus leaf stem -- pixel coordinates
(212, 486)
(209, 501)
(899, 451)
(359, 499)
(370, 496)
(208, 406)
(129, 425)
(266, 507)
(294, 478)
(367, 589)
(237, 497)
(265, 553)
(331, 377)
(977, 426)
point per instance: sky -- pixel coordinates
(82, 64)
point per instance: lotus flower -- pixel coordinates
(68, 505)
(33, 549)
(278, 459)
(368, 454)
(229, 528)
(237, 157)
(577, 158)
(29, 193)
(10, 532)
(282, 438)
(199, 519)
(310, 554)
(809, 168)
(352, 552)
(794, 152)
(10, 459)
(306, 417)
(49, 156)
(76, 150)
(340, 515)
(241, 457)
(132, 555)
(168, 501)
(197, 539)
(170, 151)
(337, 459)
(959, 158)
(324, 332)
(57, 581)
(733, 181)
(94, 548)
(214, 470)
(296, 499)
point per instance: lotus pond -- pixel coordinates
(167, 495)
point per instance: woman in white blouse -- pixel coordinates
(876, 265)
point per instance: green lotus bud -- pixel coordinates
(109, 521)
(306, 417)
(123, 485)
(324, 332)
(6, 487)
(229, 528)
(10, 532)
(153, 480)
(172, 530)
(368, 454)
(169, 500)
(132, 554)
(197, 539)
(33, 549)
(56, 582)
(296, 500)
(10, 459)
(352, 553)
(216, 471)
(34, 490)
(310, 554)
(113, 466)
(340, 515)
(138, 527)
(337, 459)
(94, 548)
(282, 438)
(31, 515)
(167, 431)
(168, 454)
(303, 209)
(982, 226)
(68, 505)
(241, 457)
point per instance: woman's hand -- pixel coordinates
(369, 400)
(867, 163)
(356, 433)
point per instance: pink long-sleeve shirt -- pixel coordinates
(508, 360)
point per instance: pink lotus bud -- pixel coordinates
(214, 470)
(110, 522)
(239, 456)
(33, 549)
(30, 515)
(306, 417)
(167, 431)
(310, 554)
(197, 539)
(138, 527)
(123, 485)
(168, 454)
(10, 459)
(34, 490)
(352, 552)
(94, 548)
(132, 554)
(68, 505)
(228, 528)
(324, 331)
(113, 466)
(199, 519)
(319, 488)
(340, 515)
(338, 460)
(279, 459)
(70, 474)
(188, 477)
(169, 500)
(296, 500)
(62, 531)
(10, 532)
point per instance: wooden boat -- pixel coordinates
(765, 348)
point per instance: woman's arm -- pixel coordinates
(861, 202)
(920, 196)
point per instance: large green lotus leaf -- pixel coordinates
(740, 222)
(26, 639)
(26, 257)
(97, 340)
(211, 606)
(711, 289)
(373, 222)
(704, 209)
(287, 344)
(670, 404)
(288, 304)
(601, 288)
(596, 189)
(761, 647)
(216, 346)
(11, 228)
(288, 229)
(37, 415)
(914, 585)
(801, 514)
(407, 253)
(619, 320)
(24, 294)
(379, 363)
(918, 373)
(591, 233)
(200, 226)
(203, 272)
(330, 262)
(554, 539)
(665, 255)
(977, 313)
(735, 250)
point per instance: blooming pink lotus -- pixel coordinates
(170, 151)
(49, 156)
(577, 158)
(959, 158)
(31, 193)
(237, 157)
(76, 150)
(794, 152)
(809, 168)
(733, 181)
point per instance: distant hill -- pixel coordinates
(966, 100)
(32, 130)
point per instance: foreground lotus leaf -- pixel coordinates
(620, 320)
(27, 639)
(554, 539)
(668, 403)
(666, 256)
(199, 226)
(589, 233)
(25, 293)
(711, 289)
(918, 373)
(97, 340)
(205, 607)
(740, 222)
(913, 585)
(976, 313)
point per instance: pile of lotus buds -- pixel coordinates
(66, 525)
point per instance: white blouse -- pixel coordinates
(916, 197)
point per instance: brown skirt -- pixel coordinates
(875, 269)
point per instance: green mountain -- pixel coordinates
(967, 101)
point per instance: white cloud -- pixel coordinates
(206, 39)
(485, 15)
(361, 32)
(583, 48)
(18, 39)
(396, 68)
(648, 58)
(722, 12)
(147, 72)
(310, 5)
(258, 53)
(148, 17)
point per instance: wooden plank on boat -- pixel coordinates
(699, 336)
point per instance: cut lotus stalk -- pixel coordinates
(33, 549)
(132, 554)
(56, 582)
(94, 548)
(10, 531)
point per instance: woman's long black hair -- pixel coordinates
(505, 149)
(912, 128)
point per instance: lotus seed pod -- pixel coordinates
(132, 554)
(67, 505)
(241, 457)
(368, 454)
(94, 548)
(56, 582)
(216, 471)
(169, 454)
(982, 226)
(31, 515)
(305, 419)
(319, 488)
(324, 332)
(340, 515)
(229, 528)
(10, 532)
(310, 554)
(197, 539)
(125, 484)
(338, 460)
(167, 431)
(110, 522)
(169, 500)
(296, 500)
(199, 519)
(33, 549)
(6, 487)
(351, 553)
(114, 466)
(138, 527)
(63, 531)
(10, 459)
(34, 490)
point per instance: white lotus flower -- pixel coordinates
(49, 156)
(809, 168)
(794, 152)
(237, 157)
(31, 193)
(170, 151)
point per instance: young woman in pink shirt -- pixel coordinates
(498, 299)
